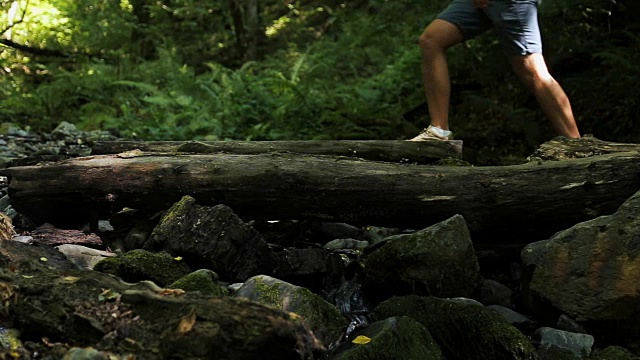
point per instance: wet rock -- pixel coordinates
(326, 231)
(26, 257)
(203, 280)
(568, 324)
(374, 234)
(579, 344)
(391, 339)
(589, 272)
(307, 267)
(48, 234)
(518, 320)
(352, 244)
(82, 256)
(437, 261)
(613, 353)
(138, 265)
(211, 238)
(494, 293)
(462, 331)
(324, 319)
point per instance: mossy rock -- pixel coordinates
(203, 280)
(326, 321)
(613, 353)
(138, 265)
(390, 339)
(462, 331)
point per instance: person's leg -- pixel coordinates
(533, 72)
(516, 23)
(434, 42)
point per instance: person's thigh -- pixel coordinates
(516, 24)
(470, 20)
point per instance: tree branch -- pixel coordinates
(32, 50)
(24, 12)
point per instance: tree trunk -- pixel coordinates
(422, 152)
(530, 201)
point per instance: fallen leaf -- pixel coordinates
(361, 340)
(177, 258)
(27, 276)
(130, 154)
(176, 292)
(44, 259)
(187, 322)
(71, 279)
(108, 294)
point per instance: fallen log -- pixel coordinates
(50, 300)
(529, 201)
(419, 152)
(562, 148)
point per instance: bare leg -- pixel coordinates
(434, 41)
(533, 71)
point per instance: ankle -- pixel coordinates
(440, 131)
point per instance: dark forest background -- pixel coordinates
(287, 70)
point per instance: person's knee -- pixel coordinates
(533, 70)
(429, 43)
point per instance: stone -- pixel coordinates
(353, 244)
(568, 324)
(82, 256)
(211, 238)
(203, 280)
(590, 273)
(613, 353)
(516, 319)
(326, 321)
(462, 331)
(579, 344)
(138, 265)
(390, 339)
(438, 261)
(307, 267)
(494, 293)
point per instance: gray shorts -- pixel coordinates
(515, 22)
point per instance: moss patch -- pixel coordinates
(138, 265)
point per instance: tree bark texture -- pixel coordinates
(419, 152)
(506, 203)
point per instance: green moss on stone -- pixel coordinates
(138, 265)
(268, 294)
(462, 330)
(393, 338)
(204, 281)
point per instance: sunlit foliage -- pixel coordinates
(187, 69)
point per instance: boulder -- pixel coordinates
(579, 344)
(211, 238)
(82, 256)
(203, 280)
(437, 261)
(589, 272)
(462, 331)
(138, 265)
(390, 339)
(88, 309)
(307, 267)
(494, 293)
(324, 319)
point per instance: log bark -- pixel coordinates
(562, 148)
(530, 201)
(424, 152)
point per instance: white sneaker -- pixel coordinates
(431, 134)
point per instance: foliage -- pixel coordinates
(173, 69)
